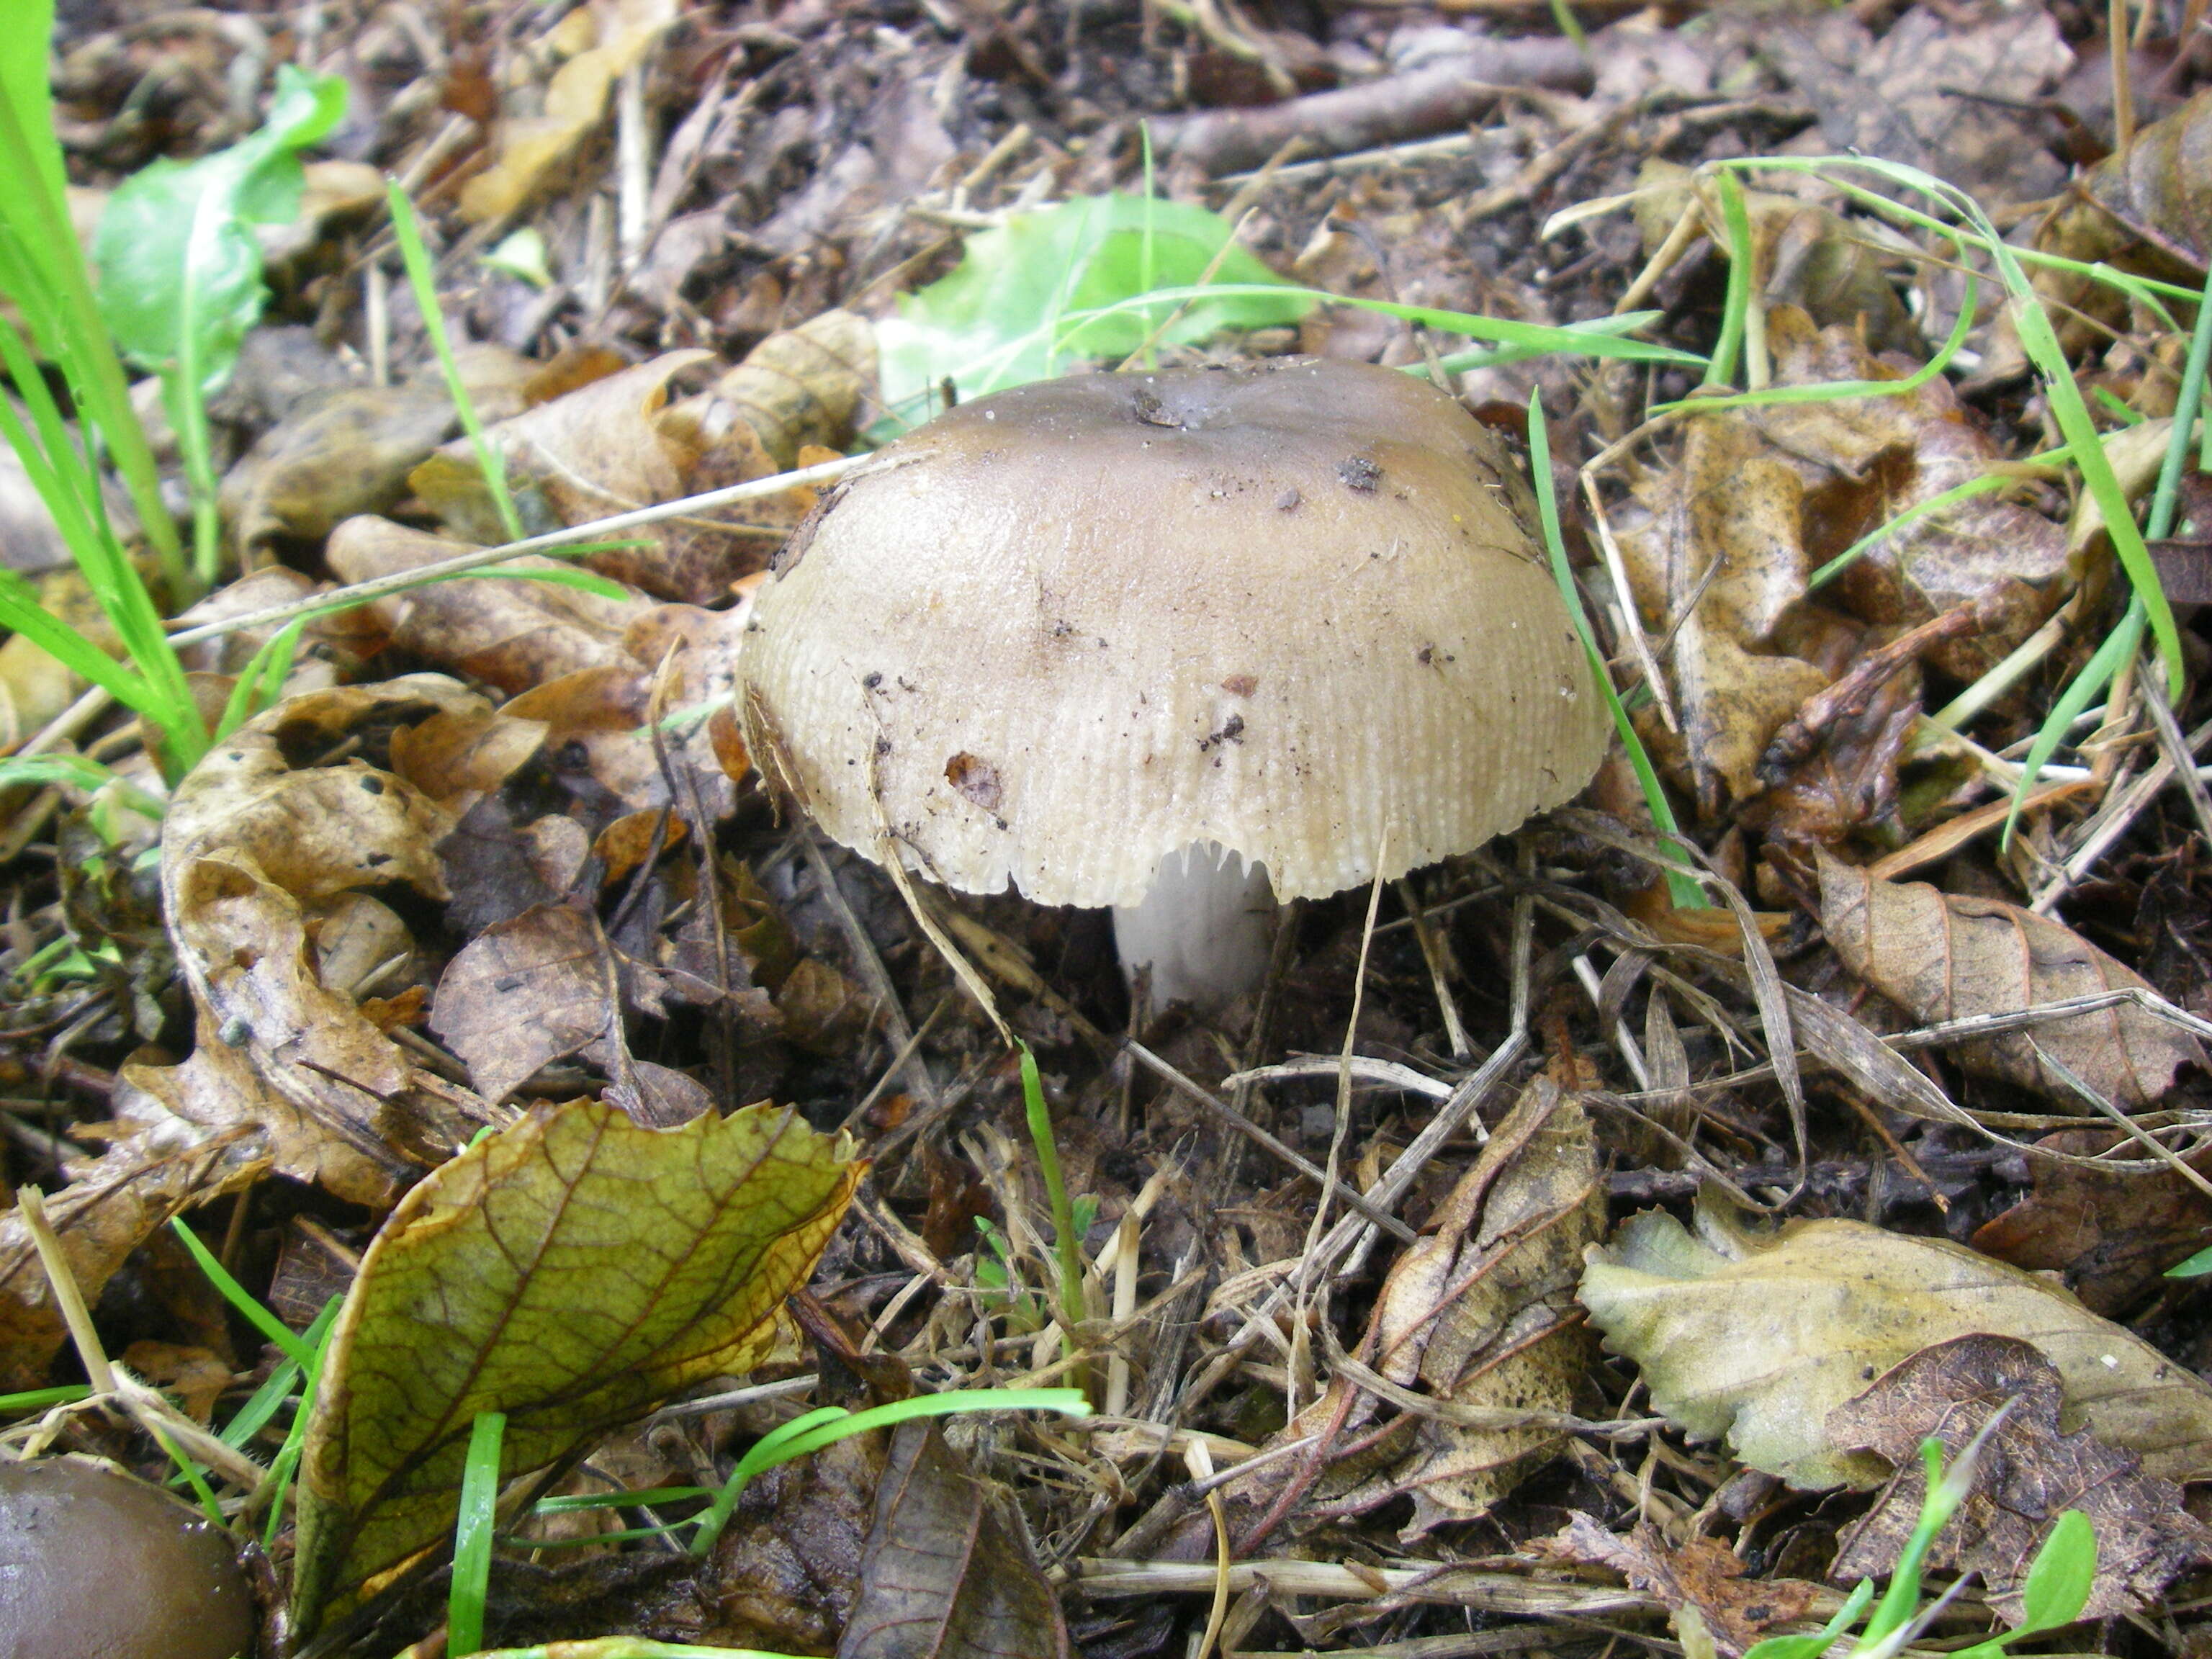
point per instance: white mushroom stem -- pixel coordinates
(1204, 931)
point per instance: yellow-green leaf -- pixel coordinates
(571, 1272)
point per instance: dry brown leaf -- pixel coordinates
(1719, 548)
(799, 388)
(1809, 256)
(1475, 1317)
(348, 451)
(2113, 1233)
(1480, 1311)
(333, 646)
(1704, 1575)
(262, 842)
(511, 634)
(617, 443)
(2029, 1473)
(942, 1573)
(598, 42)
(34, 686)
(1949, 91)
(2146, 210)
(1948, 956)
(155, 1166)
(602, 449)
(523, 994)
(1757, 1338)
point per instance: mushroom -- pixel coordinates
(1172, 643)
(95, 1564)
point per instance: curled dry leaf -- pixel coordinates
(617, 443)
(1948, 956)
(2146, 210)
(1811, 257)
(941, 1572)
(1480, 1310)
(1475, 1336)
(592, 46)
(1705, 1577)
(348, 451)
(2029, 1475)
(1757, 1338)
(263, 844)
(512, 634)
(799, 389)
(331, 646)
(157, 1164)
(571, 1272)
(1762, 496)
(2111, 1232)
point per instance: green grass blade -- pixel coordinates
(1066, 1244)
(472, 1535)
(423, 282)
(1601, 338)
(48, 279)
(1736, 305)
(1682, 889)
(299, 1351)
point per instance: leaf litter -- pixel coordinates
(459, 960)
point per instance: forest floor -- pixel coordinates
(1568, 1248)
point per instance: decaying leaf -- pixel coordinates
(1808, 256)
(1480, 1310)
(1719, 548)
(594, 43)
(800, 388)
(1703, 1576)
(264, 842)
(1946, 956)
(570, 1270)
(348, 451)
(1476, 1317)
(523, 994)
(785, 1574)
(2029, 1473)
(2146, 210)
(941, 1572)
(1759, 1338)
(617, 443)
(156, 1165)
(1950, 92)
(512, 633)
(2111, 1232)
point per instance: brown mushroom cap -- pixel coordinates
(96, 1565)
(1072, 627)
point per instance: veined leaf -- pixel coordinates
(180, 270)
(570, 1271)
(996, 321)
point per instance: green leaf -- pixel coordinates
(180, 270)
(2062, 1575)
(571, 1272)
(996, 321)
(2195, 1268)
(472, 1535)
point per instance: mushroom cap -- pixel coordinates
(1071, 628)
(95, 1564)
